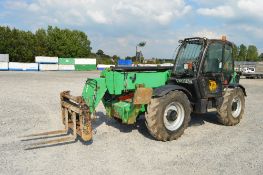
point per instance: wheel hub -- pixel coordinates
(234, 106)
(171, 115)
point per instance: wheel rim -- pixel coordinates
(173, 116)
(236, 107)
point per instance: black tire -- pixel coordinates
(226, 111)
(155, 116)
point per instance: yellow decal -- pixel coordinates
(212, 85)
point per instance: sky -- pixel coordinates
(117, 26)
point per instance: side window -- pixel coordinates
(228, 62)
(213, 58)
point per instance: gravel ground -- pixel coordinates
(29, 103)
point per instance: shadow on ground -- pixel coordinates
(200, 119)
(196, 120)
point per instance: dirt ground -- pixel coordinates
(29, 103)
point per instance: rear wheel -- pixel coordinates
(168, 116)
(232, 109)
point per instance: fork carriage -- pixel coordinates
(76, 115)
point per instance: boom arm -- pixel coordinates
(93, 92)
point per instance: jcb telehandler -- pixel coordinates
(202, 80)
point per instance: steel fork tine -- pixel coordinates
(63, 131)
(48, 133)
(55, 141)
(59, 140)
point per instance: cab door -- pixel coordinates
(228, 64)
(211, 76)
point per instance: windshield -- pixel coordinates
(188, 53)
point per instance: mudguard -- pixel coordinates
(238, 85)
(163, 90)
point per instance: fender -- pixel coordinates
(163, 90)
(238, 85)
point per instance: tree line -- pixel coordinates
(247, 53)
(23, 46)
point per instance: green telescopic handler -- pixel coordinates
(202, 80)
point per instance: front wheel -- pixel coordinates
(168, 116)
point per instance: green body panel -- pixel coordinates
(84, 67)
(66, 61)
(116, 84)
(126, 111)
(122, 110)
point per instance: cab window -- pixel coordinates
(228, 61)
(213, 58)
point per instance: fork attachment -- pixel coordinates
(76, 106)
(75, 115)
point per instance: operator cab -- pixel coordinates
(204, 67)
